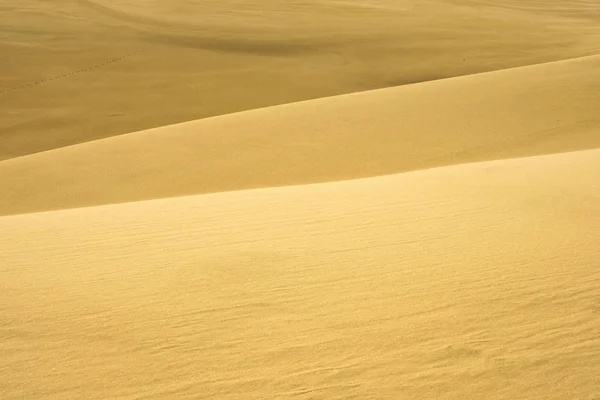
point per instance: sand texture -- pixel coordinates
(321, 199)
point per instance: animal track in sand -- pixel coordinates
(72, 73)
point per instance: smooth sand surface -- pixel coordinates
(476, 281)
(78, 70)
(426, 225)
(540, 109)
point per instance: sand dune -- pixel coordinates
(525, 111)
(401, 202)
(464, 282)
(79, 70)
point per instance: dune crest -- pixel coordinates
(472, 281)
(299, 200)
(533, 110)
(79, 70)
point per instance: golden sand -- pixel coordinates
(434, 236)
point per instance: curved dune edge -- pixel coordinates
(525, 111)
(90, 69)
(471, 281)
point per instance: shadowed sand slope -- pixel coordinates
(78, 70)
(531, 110)
(475, 281)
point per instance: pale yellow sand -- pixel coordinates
(438, 240)
(540, 109)
(475, 281)
(78, 70)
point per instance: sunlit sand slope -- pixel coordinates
(476, 281)
(532, 110)
(78, 70)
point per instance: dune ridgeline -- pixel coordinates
(299, 200)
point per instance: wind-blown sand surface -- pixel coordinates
(465, 282)
(78, 70)
(434, 240)
(531, 110)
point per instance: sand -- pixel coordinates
(465, 282)
(78, 70)
(299, 200)
(511, 113)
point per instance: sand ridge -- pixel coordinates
(80, 70)
(302, 235)
(372, 288)
(532, 110)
